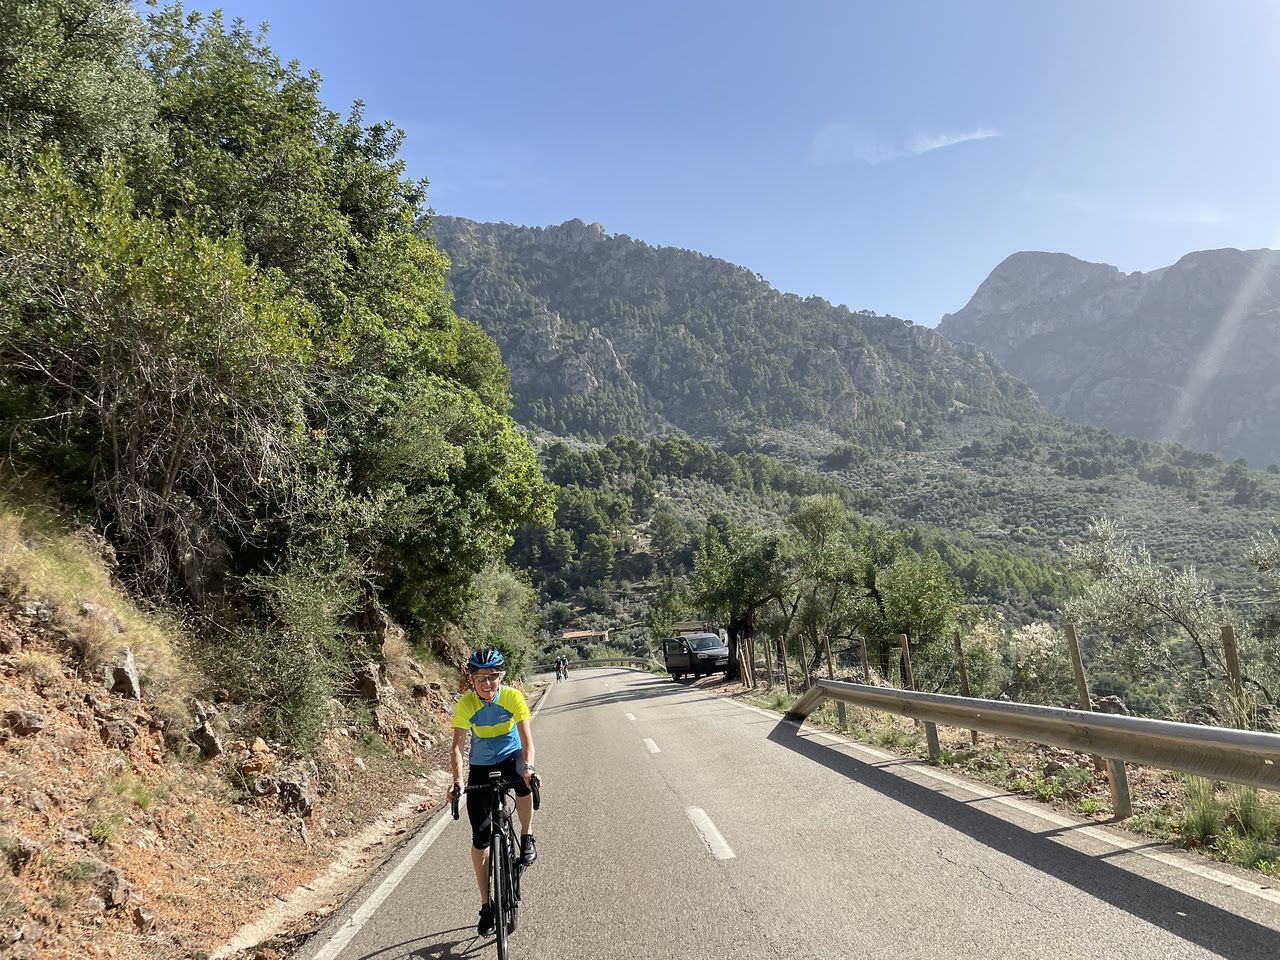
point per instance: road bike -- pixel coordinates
(505, 867)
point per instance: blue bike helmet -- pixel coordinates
(485, 658)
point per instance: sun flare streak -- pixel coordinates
(1205, 369)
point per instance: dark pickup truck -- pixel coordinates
(697, 654)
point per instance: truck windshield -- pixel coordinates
(704, 643)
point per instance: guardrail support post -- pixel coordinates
(964, 681)
(1121, 804)
(931, 737)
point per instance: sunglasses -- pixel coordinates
(486, 677)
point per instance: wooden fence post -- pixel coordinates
(964, 681)
(841, 713)
(1232, 655)
(786, 663)
(866, 664)
(909, 677)
(1082, 685)
(930, 728)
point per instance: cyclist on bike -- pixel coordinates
(501, 739)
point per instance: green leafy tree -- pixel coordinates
(734, 575)
(1155, 620)
(923, 601)
(175, 366)
(71, 75)
(669, 536)
(503, 613)
(826, 578)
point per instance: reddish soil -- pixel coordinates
(199, 859)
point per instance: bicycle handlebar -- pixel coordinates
(535, 783)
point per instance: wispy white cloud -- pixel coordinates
(839, 142)
(924, 142)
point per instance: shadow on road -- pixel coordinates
(651, 688)
(1219, 931)
(436, 946)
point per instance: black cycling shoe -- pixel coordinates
(485, 927)
(528, 850)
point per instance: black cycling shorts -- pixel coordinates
(478, 803)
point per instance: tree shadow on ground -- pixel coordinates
(1196, 921)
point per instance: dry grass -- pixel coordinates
(43, 558)
(43, 669)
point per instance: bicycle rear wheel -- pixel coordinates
(498, 867)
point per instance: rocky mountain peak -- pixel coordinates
(1186, 352)
(1022, 284)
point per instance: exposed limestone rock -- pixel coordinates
(204, 738)
(1185, 353)
(23, 723)
(296, 797)
(123, 679)
(118, 732)
(370, 681)
(144, 918)
(105, 880)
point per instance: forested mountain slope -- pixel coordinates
(1186, 353)
(607, 334)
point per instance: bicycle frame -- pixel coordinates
(504, 864)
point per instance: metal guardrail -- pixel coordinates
(1237, 756)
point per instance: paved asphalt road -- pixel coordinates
(676, 824)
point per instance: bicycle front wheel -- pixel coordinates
(498, 886)
(513, 885)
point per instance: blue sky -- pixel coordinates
(885, 156)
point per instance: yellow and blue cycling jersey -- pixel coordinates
(492, 724)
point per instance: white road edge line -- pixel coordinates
(1134, 847)
(653, 747)
(348, 930)
(541, 700)
(712, 837)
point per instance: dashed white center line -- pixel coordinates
(631, 716)
(653, 747)
(715, 842)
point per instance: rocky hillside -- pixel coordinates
(139, 821)
(607, 334)
(1186, 353)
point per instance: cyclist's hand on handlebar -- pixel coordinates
(455, 794)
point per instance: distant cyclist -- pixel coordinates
(501, 739)
(559, 669)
